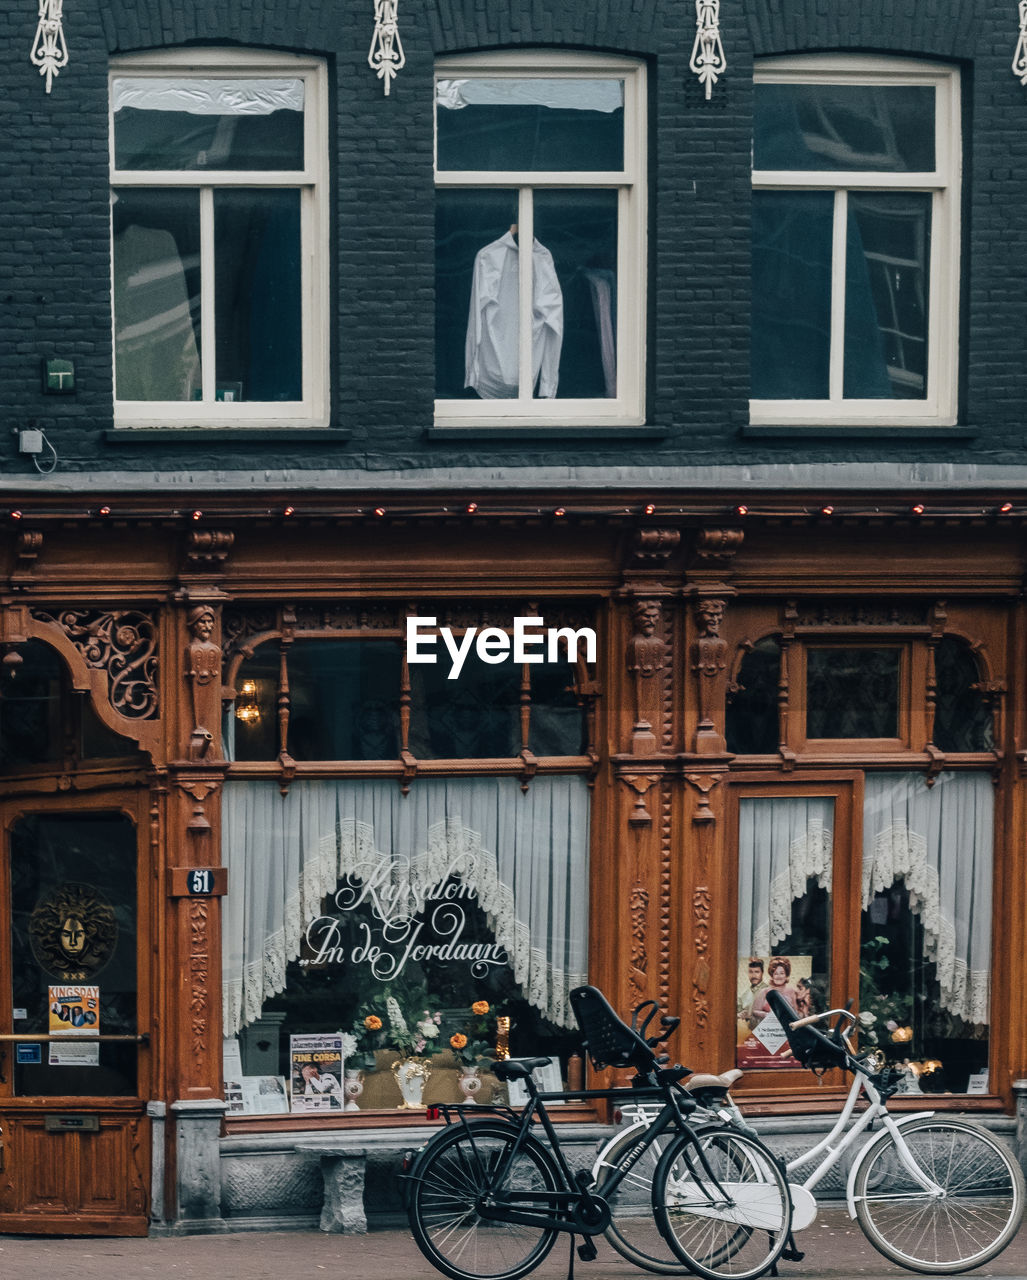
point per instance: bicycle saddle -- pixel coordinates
(703, 1081)
(517, 1068)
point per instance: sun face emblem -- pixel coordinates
(73, 932)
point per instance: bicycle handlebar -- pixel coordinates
(819, 1017)
(640, 1023)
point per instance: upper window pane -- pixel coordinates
(855, 314)
(963, 719)
(206, 123)
(257, 300)
(886, 284)
(852, 693)
(888, 128)
(504, 123)
(477, 716)
(219, 239)
(753, 722)
(791, 294)
(157, 338)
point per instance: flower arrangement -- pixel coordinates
(384, 1023)
(474, 1044)
(885, 1013)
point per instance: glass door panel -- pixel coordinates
(73, 954)
(785, 871)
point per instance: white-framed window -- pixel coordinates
(544, 150)
(855, 259)
(219, 240)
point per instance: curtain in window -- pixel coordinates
(782, 842)
(526, 854)
(939, 841)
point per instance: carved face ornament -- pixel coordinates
(711, 614)
(647, 616)
(73, 932)
(73, 937)
(201, 623)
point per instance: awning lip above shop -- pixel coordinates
(965, 484)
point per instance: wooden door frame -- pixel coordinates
(846, 786)
(126, 1112)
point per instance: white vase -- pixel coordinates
(411, 1075)
(353, 1087)
(470, 1083)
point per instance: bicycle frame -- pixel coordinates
(583, 1210)
(642, 1120)
(837, 1142)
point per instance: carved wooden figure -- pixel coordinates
(710, 654)
(646, 658)
(203, 671)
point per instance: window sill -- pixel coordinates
(288, 1122)
(856, 431)
(805, 1100)
(541, 431)
(235, 435)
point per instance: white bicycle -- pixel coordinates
(933, 1193)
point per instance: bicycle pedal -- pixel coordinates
(587, 1251)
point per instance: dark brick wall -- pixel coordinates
(54, 254)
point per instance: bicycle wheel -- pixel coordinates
(633, 1231)
(455, 1171)
(734, 1228)
(973, 1214)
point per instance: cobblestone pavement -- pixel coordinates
(835, 1250)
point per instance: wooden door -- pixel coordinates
(73, 1066)
(795, 894)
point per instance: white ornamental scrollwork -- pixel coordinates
(1020, 56)
(707, 61)
(49, 52)
(386, 56)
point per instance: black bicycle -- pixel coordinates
(488, 1199)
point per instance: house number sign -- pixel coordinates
(197, 882)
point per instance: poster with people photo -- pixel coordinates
(761, 1041)
(315, 1076)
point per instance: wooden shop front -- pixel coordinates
(247, 830)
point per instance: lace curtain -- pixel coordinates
(526, 854)
(939, 841)
(782, 842)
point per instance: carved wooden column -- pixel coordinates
(636, 944)
(194, 877)
(707, 943)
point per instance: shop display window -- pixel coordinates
(902, 924)
(366, 928)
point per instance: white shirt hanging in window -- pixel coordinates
(492, 349)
